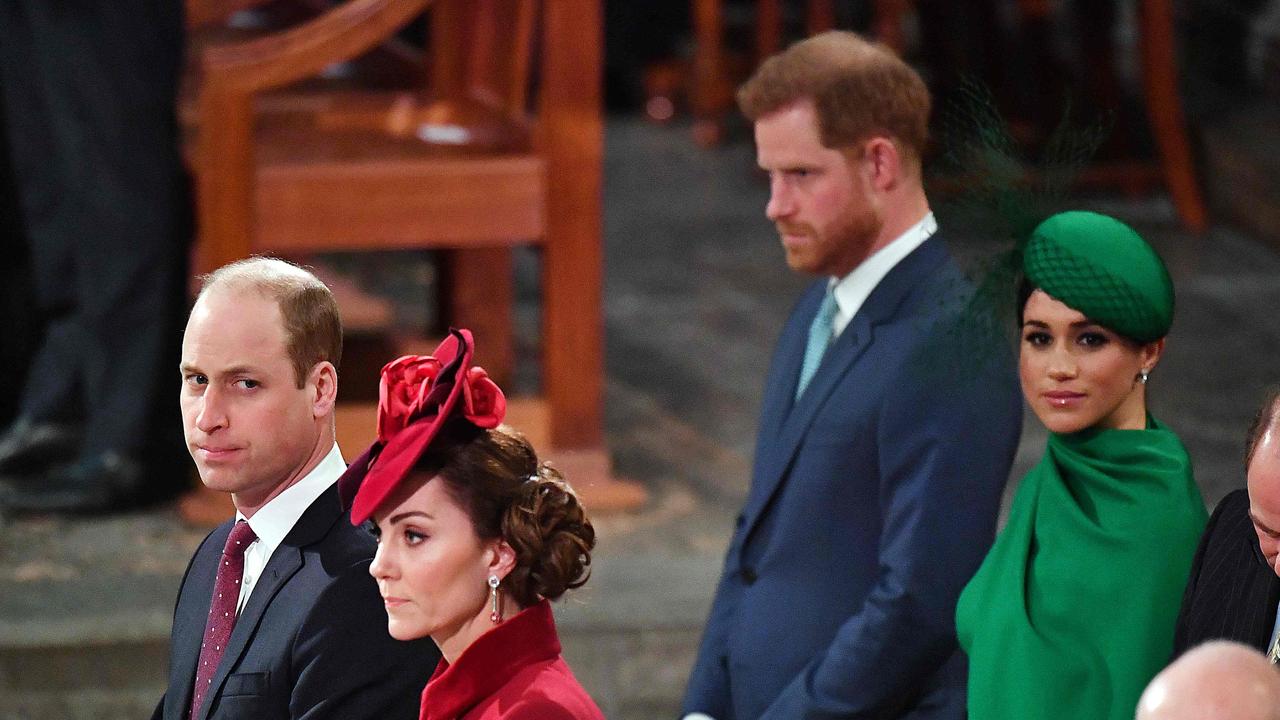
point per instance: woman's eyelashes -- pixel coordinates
(1092, 338)
(1038, 338)
(1087, 338)
(411, 535)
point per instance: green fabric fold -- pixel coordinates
(1072, 612)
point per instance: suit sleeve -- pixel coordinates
(945, 446)
(346, 666)
(708, 690)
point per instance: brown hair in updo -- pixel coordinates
(495, 476)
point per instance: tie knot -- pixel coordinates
(239, 539)
(827, 310)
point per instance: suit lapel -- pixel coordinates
(1267, 593)
(284, 563)
(189, 622)
(780, 390)
(842, 354)
(840, 360)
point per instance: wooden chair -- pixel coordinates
(465, 164)
(712, 96)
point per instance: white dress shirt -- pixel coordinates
(853, 289)
(274, 520)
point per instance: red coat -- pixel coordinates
(512, 672)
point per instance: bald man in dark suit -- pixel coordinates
(1234, 589)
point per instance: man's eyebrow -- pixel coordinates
(1260, 524)
(240, 370)
(187, 367)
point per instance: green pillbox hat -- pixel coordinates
(1101, 267)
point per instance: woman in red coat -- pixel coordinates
(475, 537)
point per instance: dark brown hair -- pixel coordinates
(859, 89)
(496, 477)
(1266, 418)
(312, 326)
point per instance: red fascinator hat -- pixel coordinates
(417, 396)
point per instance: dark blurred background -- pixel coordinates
(694, 294)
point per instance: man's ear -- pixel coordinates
(883, 163)
(323, 382)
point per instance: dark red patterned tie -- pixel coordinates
(222, 611)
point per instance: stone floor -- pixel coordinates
(695, 294)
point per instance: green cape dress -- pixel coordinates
(1072, 612)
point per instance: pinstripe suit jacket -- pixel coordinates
(1232, 593)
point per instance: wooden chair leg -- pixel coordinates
(708, 90)
(820, 16)
(478, 293)
(768, 28)
(888, 23)
(573, 268)
(1164, 109)
(573, 265)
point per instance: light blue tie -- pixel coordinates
(819, 338)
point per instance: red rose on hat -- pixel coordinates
(417, 396)
(482, 401)
(405, 385)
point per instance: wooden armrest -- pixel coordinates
(302, 51)
(206, 12)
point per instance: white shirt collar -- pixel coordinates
(853, 289)
(273, 521)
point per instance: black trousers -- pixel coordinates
(102, 203)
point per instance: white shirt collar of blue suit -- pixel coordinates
(853, 289)
(273, 521)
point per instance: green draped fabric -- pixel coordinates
(1072, 612)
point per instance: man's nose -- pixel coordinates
(1270, 548)
(212, 415)
(781, 204)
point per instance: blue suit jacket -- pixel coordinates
(312, 640)
(873, 500)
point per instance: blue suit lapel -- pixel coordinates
(790, 425)
(784, 373)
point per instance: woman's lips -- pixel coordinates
(393, 602)
(1063, 398)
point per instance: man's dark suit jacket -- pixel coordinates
(310, 643)
(1232, 593)
(873, 500)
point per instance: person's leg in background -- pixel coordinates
(90, 88)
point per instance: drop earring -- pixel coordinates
(1142, 375)
(494, 615)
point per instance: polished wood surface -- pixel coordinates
(501, 145)
(711, 88)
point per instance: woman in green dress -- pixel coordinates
(1072, 611)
